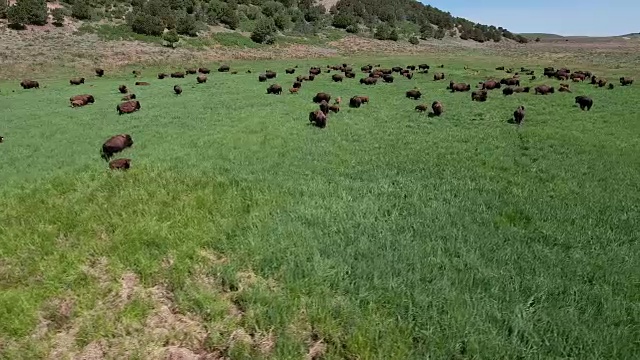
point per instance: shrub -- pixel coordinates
(382, 32)
(28, 12)
(81, 10)
(146, 24)
(216, 12)
(4, 6)
(272, 8)
(58, 17)
(264, 31)
(282, 21)
(537, 39)
(187, 25)
(414, 40)
(230, 18)
(426, 31)
(343, 21)
(353, 29)
(439, 34)
(393, 35)
(171, 37)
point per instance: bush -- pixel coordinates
(343, 21)
(393, 35)
(146, 24)
(414, 40)
(426, 31)
(537, 39)
(382, 32)
(28, 12)
(171, 37)
(230, 18)
(187, 25)
(4, 6)
(282, 21)
(439, 34)
(81, 10)
(264, 31)
(353, 29)
(272, 8)
(58, 16)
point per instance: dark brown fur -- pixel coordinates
(76, 81)
(29, 84)
(201, 79)
(321, 96)
(274, 89)
(120, 164)
(128, 107)
(123, 89)
(437, 108)
(114, 145)
(518, 115)
(177, 89)
(584, 102)
(413, 94)
(318, 118)
(544, 90)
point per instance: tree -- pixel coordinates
(264, 31)
(146, 24)
(343, 21)
(272, 8)
(426, 31)
(28, 12)
(439, 34)
(58, 17)
(393, 34)
(187, 25)
(171, 37)
(414, 40)
(4, 6)
(382, 32)
(81, 10)
(230, 18)
(353, 29)
(282, 21)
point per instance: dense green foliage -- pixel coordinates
(264, 31)
(387, 235)
(4, 5)
(58, 16)
(28, 12)
(81, 10)
(171, 37)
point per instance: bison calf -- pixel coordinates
(585, 102)
(318, 118)
(120, 164)
(518, 115)
(114, 145)
(421, 108)
(128, 107)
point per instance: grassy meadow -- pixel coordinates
(243, 232)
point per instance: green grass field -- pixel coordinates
(242, 231)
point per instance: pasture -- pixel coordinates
(243, 232)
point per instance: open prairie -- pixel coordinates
(241, 231)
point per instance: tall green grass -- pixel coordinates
(387, 235)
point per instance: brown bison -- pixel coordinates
(318, 118)
(411, 67)
(479, 95)
(123, 89)
(460, 87)
(368, 81)
(507, 91)
(602, 82)
(438, 76)
(437, 108)
(203, 70)
(355, 102)
(518, 115)
(262, 78)
(521, 89)
(77, 103)
(624, 81)
(177, 89)
(577, 77)
(99, 72)
(114, 145)
(320, 97)
(324, 107)
(85, 99)
(363, 99)
(290, 71)
(396, 69)
(297, 85)
(424, 67)
(29, 84)
(270, 74)
(611, 86)
(408, 75)
(136, 73)
(350, 75)
(335, 108)
(76, 81)
(585, 102)
(314, 71)
(510, 82)
(309, 78)
(490, 85)
(120, 164)
(191, 71)
(337, 78)
(129, 97)
(128, 107)
(575, 80)
(224, 68)
(594, 80)
(544, 90)
(274, 89)
(201, 79)
(294, 90)
(177, 74)
(387, 78)
(421, 108)
(142, 83)
(162, 76)
(564, 89)
(414, 94)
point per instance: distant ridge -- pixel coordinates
(541, 36)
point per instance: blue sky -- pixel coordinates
(568, 17)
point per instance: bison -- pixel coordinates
(500, 68)
(114, 145)
(120, 164)
(76, 81)
(321, 96)
(270, 74)
(99, 72)
(290, 71)
(544, 90)
(177, 89)
(77, 103)
(602, 82)
(611, 86)
(490, 85)
(162, 76)
(424, 67)
(510, 81)
(437, 108)
(421, 108)
(85, 99)
(262, 78)
(350, 75)
(368, 81)
(507, 91)
(136, 73)
(203, 70)
(294, 90)
(314, 71)
(142, 83)
(438, 76)
(128, 107)
(201, 79)
(224, 68)
(129, 97)
(624, 81)
(521, 89)
(518, 115)
(178, 75)
(335, 108)
(123, 89)
(324, 107)
(29, 84)
(355, 102)
(387, 78)
(318, 118)
(191, 71)
(297, 85)
(479, 95)
(337, 78)
(414, 94)
(459, 87)
(585, 102)
(274, 89)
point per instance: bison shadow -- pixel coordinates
(432, 115)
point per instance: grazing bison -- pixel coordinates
(518, 115)
(224, 68)
(162, 76)
(421, 108)
(310, 78)
(479, 95)
(270, 74)
(521, 89)
(544, 90)
(203, 70)
(438, 76)
(177, 89)
(315, 71)
(201, 79)
(29, 84)
(611, 86)
(368, 81)
(335, 108)
(262, 78)
(274, 89)
(76, 81)
(355, 102)
(318, 118)
(177, 74)
(602, 82)
(396, 69)
(297, 85)
(500, 68)
(128, 107)
(350, 75)
(191, 71)
(564, 89)
(414, 94)
(459, 87)
(585, 102)
(507, 91)
(408, 75)
(120, 164)
(129, 97)
(624, 81)
(424, 67)
(114, 145)
(437, 108)
(320, 97)
(490, 85)
(510, 81)
(123, 89)
(136, 73)
(142, 83)
(290, 71)
(324, 107)
(387, 78)
(99, 72)
(364, 99)
(578, 77)
(337, 78)
(85, 99)
(294, 90)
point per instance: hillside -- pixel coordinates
(262, 21)
(541, 36)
